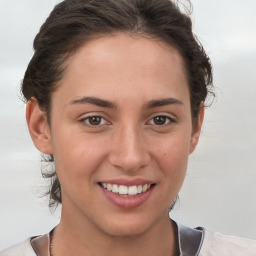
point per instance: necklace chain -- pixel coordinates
(50, 244)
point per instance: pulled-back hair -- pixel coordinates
(72, 23)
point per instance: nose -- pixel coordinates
(129, 150)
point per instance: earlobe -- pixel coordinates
(197, 130)
(38, 127)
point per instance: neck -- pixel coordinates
(80, 238)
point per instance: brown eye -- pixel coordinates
(94, 121)
(161, 120)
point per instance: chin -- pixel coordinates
(126, 230)
(127, 226)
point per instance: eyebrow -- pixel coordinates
(94, 101)
(108, 104)
(163, 102)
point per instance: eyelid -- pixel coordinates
(83, 119)
(171, 119)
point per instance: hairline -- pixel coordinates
(70, 55)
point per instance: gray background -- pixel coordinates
(219, 191)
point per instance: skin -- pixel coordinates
(127, 143)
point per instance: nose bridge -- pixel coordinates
(129, 152)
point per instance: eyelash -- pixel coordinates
(167, 120)
(86, 121)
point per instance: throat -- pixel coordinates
(160, 241)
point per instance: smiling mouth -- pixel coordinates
(126, 190)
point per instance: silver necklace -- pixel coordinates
(50, 244)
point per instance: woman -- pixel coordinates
(115, 96)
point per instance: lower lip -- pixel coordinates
(127, 202)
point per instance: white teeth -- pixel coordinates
(125, 190)
(132, 190)
(115, 188)
(140, 189)
(109, 187)
(145, 187)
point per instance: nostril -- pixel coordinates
(129, 162)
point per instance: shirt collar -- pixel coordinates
(190, 240)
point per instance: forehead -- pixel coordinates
(125, 64)
(122, 47)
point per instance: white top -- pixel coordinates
(22, 249)
(216, 244)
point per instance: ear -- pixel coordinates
(38, 127)
(197, 129)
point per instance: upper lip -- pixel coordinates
(128, 182)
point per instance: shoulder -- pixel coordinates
(216, 244)
(203, 242)
(21, 249)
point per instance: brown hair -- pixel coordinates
(73, 22)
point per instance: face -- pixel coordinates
(121, 133)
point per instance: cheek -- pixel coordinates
(172, 157)
(77, 156)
